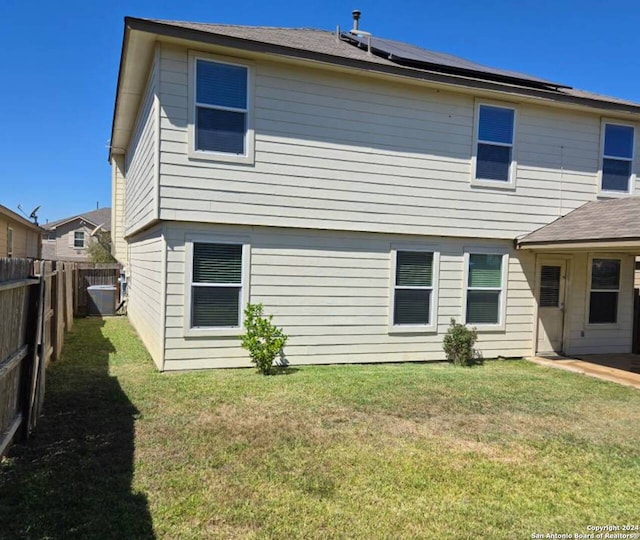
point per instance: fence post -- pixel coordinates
(68, 295)
(53, 326)
(59, 310)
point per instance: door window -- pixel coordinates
(550, 286)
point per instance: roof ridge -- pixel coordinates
(226, 25)
(88, 216)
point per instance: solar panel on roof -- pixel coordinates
(404, 53)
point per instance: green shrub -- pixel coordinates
(458, 345)
(262, 339)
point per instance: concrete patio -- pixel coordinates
(619, 368)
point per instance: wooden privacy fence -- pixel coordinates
(34, 312)
(19, 292)
(38, 300)
(86, 275)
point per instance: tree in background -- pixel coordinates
(99, 248)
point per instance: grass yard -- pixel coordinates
(503, 450)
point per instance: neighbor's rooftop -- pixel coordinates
(101, 216)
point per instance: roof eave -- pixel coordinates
(123, 49)
(601, 244)
(55, 225)
(135, 59)
(19, 219)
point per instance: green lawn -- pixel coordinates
(502, 450)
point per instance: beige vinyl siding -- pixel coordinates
(584, 338)
(145, 285)
(118, 243)
(49, 249)
(32, 243)
(4, 224)
(336, 152)
(330, 292)
(140, 164)
(26, 242)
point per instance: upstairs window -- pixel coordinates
(216, 285)
(78, 240)
(617, 158)
(605, 290)
(413, 288)
(494, 144)
(221, 108)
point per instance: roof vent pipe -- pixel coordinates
(356, 17)
(357, 32)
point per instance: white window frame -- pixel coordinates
(9, 241)
(502, 305)
(84, 240)
(497, 184)
(592, 256)
(433, 307)
(632, 176)
(211, 331)
(249, 147)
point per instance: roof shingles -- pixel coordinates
(101, 216)
(324, 42)
(616, 219)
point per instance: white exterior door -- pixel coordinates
(551, 299)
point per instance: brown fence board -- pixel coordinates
(68, 295)
(36, 384)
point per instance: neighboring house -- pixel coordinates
(19, 237)
(365, 197)
(67, 239)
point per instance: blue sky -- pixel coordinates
(59, 62)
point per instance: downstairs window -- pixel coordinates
(605, 290)
(216, 285)
(413, 288)
(485, 289)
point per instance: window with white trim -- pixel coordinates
(221, 117)
(216, 285)
(617, 158)
(494, 144)
(485, 289)
(413, 289)
(605, 291)
(9, 242)
(78, 239)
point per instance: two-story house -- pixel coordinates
(366, 192)
(67, 239)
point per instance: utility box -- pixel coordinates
(101, 300)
